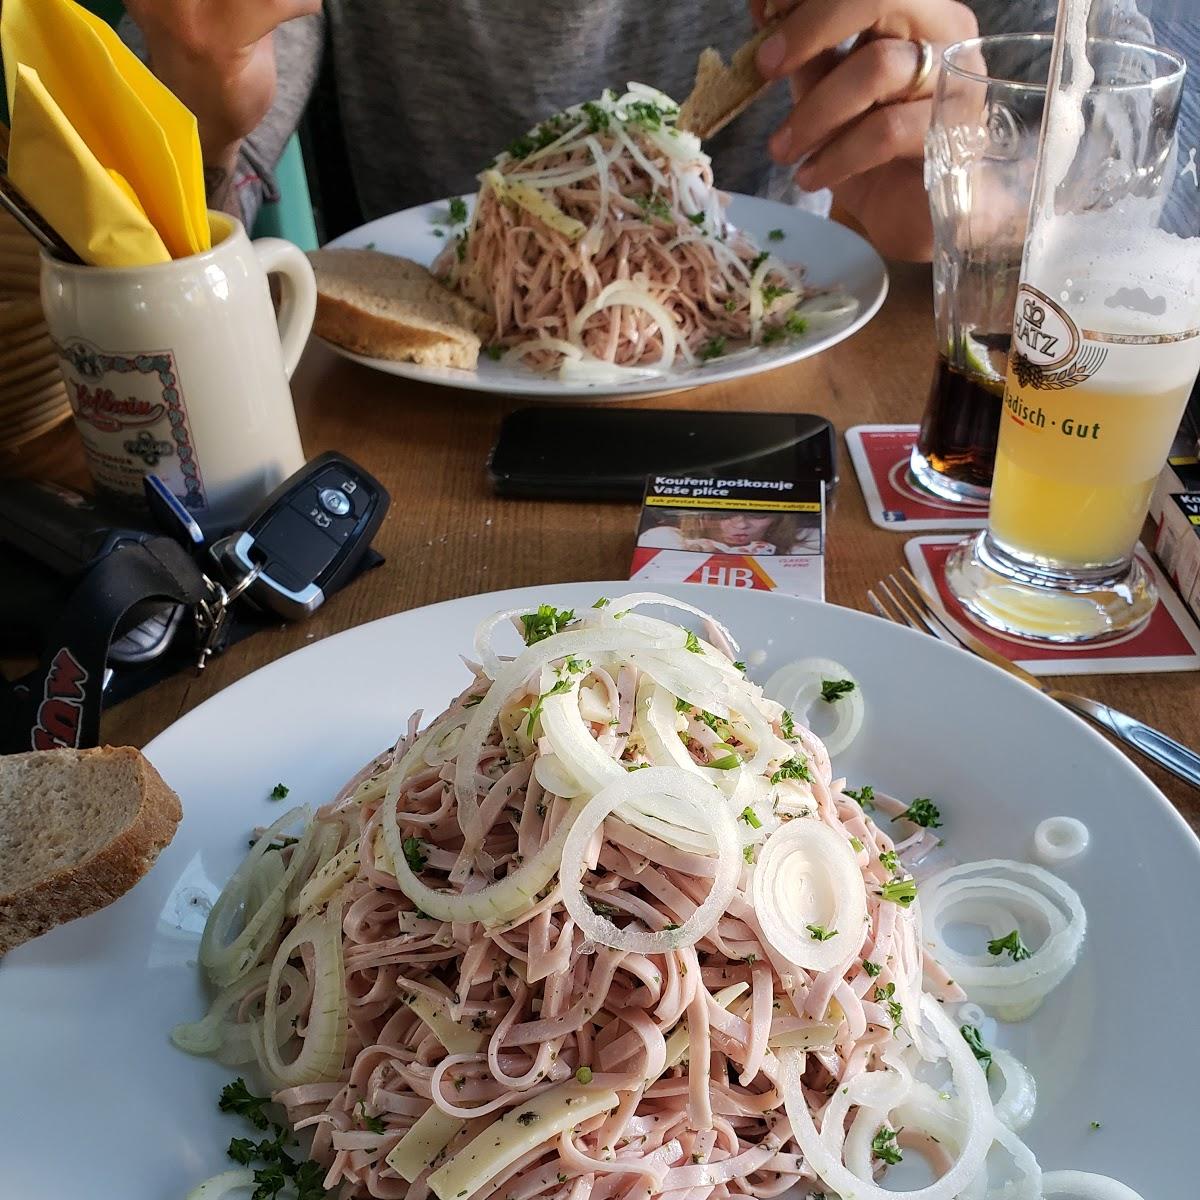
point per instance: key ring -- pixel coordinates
(211, 613)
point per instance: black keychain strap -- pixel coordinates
(59, 704)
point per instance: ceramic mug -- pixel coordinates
(182, 369)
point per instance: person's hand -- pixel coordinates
(857, 121)
(217, 57)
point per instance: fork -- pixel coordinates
(902, 599)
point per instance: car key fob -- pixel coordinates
(307, 538)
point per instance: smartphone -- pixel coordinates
(578, 453)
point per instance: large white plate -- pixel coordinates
(832, 255)
(94, 1101)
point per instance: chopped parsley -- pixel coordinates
(636, 766)
(884, 996)
(603, 910)
(726, 762)
(923, 812)
(647, 113)
(414, 854)
(794, 768)
(889, 861)
(974, 1039)
(834, 689)
(865, 796)
(584, 1075)
(871, 968)
(771, 293)
(602, 602)
(280, 791)
(787, 724)
(546, 622)
(692, 642)
(281, 844)
(237, 1098)
(757, 261)
(883, 1146)
(654, 206)
(439, 233)
(494, 352)
(460, 247)
(776, 235)
(535, 710)
(374, 1124)
(458, 210)
(900, 891)
(748, 854)
(672, 925)
(682, 705)
(857, 844)
(731, 305)
(793, 326)
(527, 1118)
(1095, 1125)
(597, 116)
(1011, 945)
(738, 665)
(751, 817)
(819, 933)
(575, 667)
(696, 218)
(713, 348)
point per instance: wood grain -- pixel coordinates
(446, 535)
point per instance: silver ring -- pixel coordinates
(231, 594)
(923, 69)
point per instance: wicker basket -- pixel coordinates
(33, 399)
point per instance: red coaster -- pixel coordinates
(880, 454)
(1170, 641)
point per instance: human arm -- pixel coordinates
(856, 122)
(246, 91)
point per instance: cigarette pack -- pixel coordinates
(1175, 511)
(753, 533)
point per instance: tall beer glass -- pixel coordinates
(980, 155)
(1105, 348)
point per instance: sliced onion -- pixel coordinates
(1084, 1185)
(493, 904)
(827, 309)
(214, 1032)
(797, 687)
(645, 790)
(1018, 1098)
(1001, 894)
(630, 294)
(218, 1186)
(1057, 839)
(807, 874)
(326, 880)
(823, 1151)
(227, 960)
(324, 1047)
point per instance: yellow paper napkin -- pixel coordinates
(129, 123)
(94, 208)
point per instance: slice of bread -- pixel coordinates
(721, 92)
(389, 307)
(78, 828)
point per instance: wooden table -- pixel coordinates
(446, 535)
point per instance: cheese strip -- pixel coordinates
(431, 1133)
(520, 1130)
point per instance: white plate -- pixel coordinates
(95, 1102)
(831, 254)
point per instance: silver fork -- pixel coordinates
(902, 599)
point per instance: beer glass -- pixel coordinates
(980, 154)
(1105, 348)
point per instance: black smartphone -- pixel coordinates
(578, 453)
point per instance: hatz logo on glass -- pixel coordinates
(1048, 351)
(1042, 330)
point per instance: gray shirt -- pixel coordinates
(428, 94)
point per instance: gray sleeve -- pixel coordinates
(298, 46)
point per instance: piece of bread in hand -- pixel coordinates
(389, 307)
(78, 828)
(722, 92)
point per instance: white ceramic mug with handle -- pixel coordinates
(182, 369)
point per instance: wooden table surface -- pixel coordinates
(447, 535)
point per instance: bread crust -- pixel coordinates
(722, 92)
(104, 875)
(346, 324)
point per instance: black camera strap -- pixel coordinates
(59, 704)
